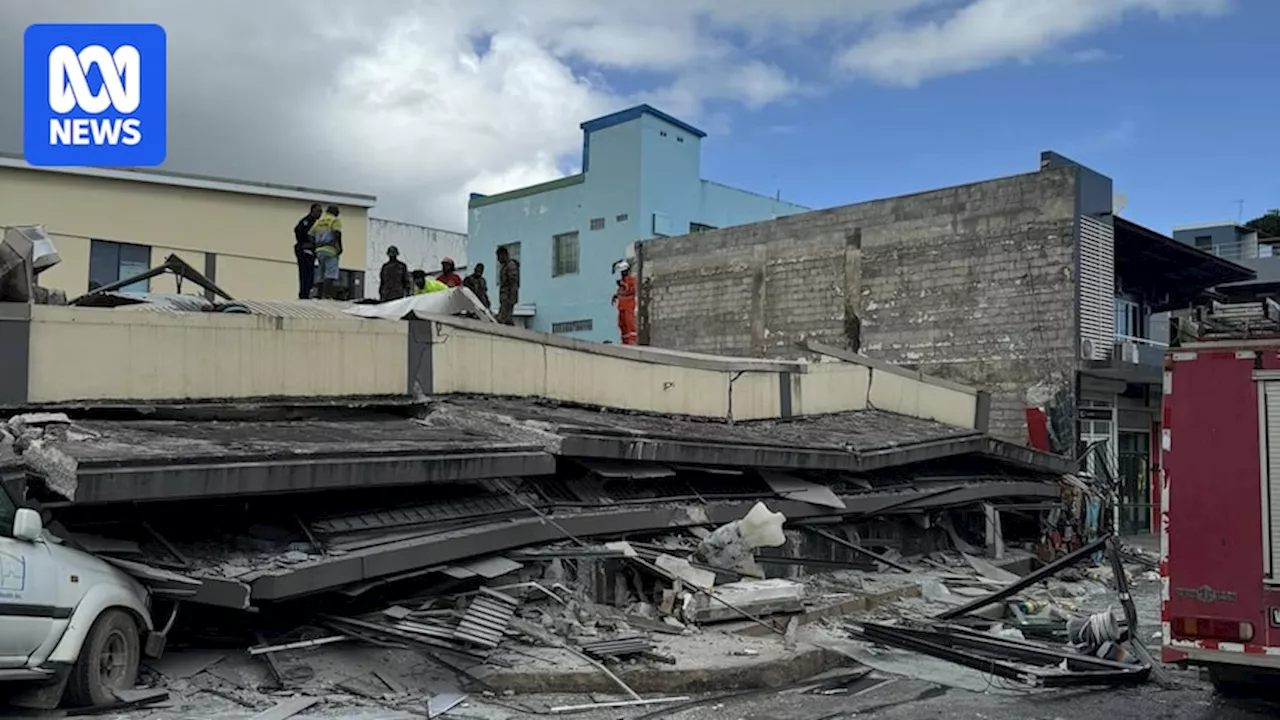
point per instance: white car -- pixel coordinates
(70, 622)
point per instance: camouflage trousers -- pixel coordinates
(506, 306)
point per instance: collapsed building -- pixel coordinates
(251, 460)
(273, 456)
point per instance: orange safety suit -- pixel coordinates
(625, 299)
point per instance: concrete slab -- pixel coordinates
(705, 662)
(432, 547)
(852, 441)
(135, 461)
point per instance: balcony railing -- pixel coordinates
(1251, 250)
(1141, 341)
(1138, 351)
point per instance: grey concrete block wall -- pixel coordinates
(971, 283)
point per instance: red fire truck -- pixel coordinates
(1220, 515)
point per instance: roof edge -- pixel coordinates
(1213, 225)
(631, 113)
(200, 182)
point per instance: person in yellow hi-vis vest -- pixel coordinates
(423, 284)
(326, 236)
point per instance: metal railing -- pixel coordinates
(1237, 250)
(1141, 341)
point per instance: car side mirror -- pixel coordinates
(27, 525)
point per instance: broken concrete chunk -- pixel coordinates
(682, 570)
(18, 423)
(623, 547)
(7, 451)
(758, 597)
(58, 469)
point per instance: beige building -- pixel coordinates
(110, 224)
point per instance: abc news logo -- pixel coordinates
(69, 90)
(94, 95)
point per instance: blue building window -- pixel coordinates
(111, 262)
(564, 254)
(513, 250)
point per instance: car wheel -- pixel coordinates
(108, 661)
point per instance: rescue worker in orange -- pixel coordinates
(449, 273)
(625, 300)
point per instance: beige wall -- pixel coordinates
(82, 354)
(470, 359)
(841, 386)
(252, 235)
(87, 354)
(469, 362)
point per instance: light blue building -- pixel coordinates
(641, 178)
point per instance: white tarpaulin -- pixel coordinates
(453, 301)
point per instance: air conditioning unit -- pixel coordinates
(1127, 351)
(1086, 349)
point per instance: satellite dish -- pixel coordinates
(1118, 202)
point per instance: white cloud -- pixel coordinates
(987, 32)
(425, 101)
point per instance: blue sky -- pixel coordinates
(1182, 114)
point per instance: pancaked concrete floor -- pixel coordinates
(356, 681)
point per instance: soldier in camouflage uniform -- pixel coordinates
(508, 286)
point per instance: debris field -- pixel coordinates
(484, 557)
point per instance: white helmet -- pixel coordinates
(623, 266)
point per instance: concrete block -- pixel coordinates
(758, 597)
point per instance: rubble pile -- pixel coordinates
(597, 584)
(648, 622)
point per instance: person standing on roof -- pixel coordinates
(625, 300)
(478, 286)
(393, 281)
(304, 252)
(449, 273)
(326, 233)
(423, 284)
(508, 286)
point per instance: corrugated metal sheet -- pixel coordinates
(312, 309)
(486, 618)
(183, 304)
(1097, 287)
(421, 248)
(620, 648)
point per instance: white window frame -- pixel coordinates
(558, 266)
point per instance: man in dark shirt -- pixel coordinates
(478, 286)
(304, 252)
(393, 282)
